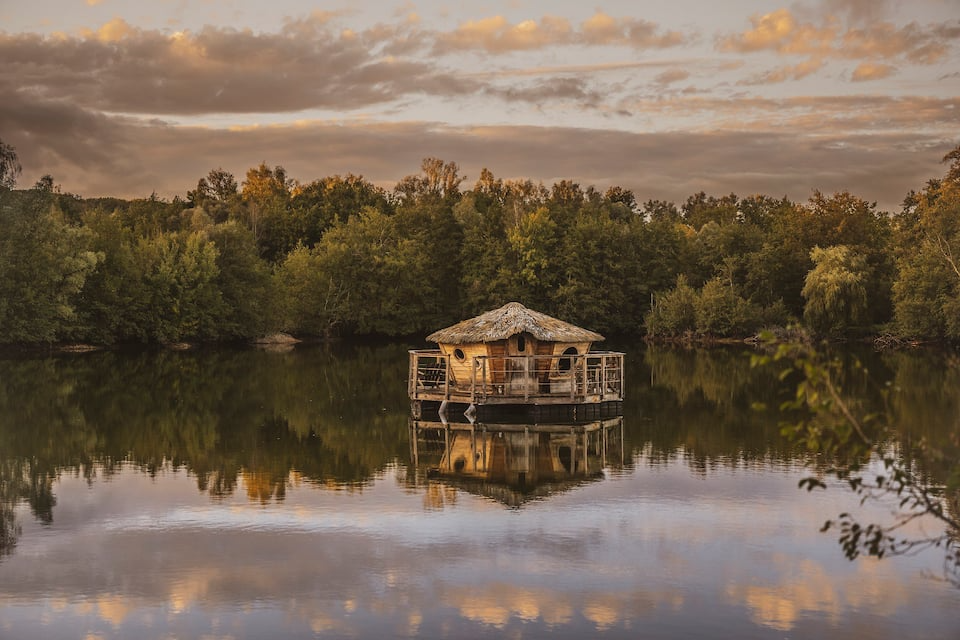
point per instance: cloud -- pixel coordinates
(858, 11)
(122, 69)
(781, 32)
(113, 31)
(672, 75)
(496, 35)
(97, 155)
(871, 71)
(601, 29)
(885, 40)
(789, 72)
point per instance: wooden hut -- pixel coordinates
(515, 356)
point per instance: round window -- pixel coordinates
(566, 363)
(458, 354)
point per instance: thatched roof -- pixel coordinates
(509, 320)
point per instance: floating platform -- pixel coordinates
(515, 363)
(571, 387)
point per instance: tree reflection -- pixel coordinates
(701, 404)
(245, 420)
(698, 404)
(326, 416)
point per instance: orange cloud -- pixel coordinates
(780, 31)
(791, 72)
(885, 40)
(496, 35)
(872, 71)
(112, 31)
(769, 32)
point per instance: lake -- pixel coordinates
(238, 493)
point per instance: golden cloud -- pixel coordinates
(781, 32)
(496, 35)
(871, 71)
(790, 72)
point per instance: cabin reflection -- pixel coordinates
(515, 463)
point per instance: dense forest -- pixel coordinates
(342, 256)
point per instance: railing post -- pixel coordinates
(526, 378)
(623, 376)
(603, 376)
(473, 380)
(411, 375)
(446, 377)
(484, 379)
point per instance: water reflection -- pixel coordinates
(245, 493)
(513, 463)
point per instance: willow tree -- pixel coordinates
(835, 290)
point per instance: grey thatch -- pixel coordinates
(509, 320)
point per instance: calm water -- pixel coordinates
(249, 494)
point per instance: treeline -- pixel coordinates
(341, 256)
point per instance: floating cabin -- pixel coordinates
(515, 361)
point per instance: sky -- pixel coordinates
(127, 98)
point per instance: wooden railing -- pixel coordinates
(592, 377)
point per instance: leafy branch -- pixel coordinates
(848, 446)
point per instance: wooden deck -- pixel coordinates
(592, 378)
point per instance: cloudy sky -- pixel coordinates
(125, 98)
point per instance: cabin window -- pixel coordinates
(458, 354)
(521, 344)
(566, 363)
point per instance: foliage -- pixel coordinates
(45, 262)
(675, 312)
(721, 312)
(926, 293)
(859, 451)
(340, 255)
(834, 290)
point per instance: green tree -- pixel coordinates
(535, 242)
(266, 195)
(834, 290)
(593, 265)
(487, 279)
(45, 262)
(218, 194)
(317, 206)
(699, 209)
(314, 298)
(437, 180)
(721, 311)
(926, 293)
(111, 291)
(244, 283)
(674, 313)
(181, 300)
